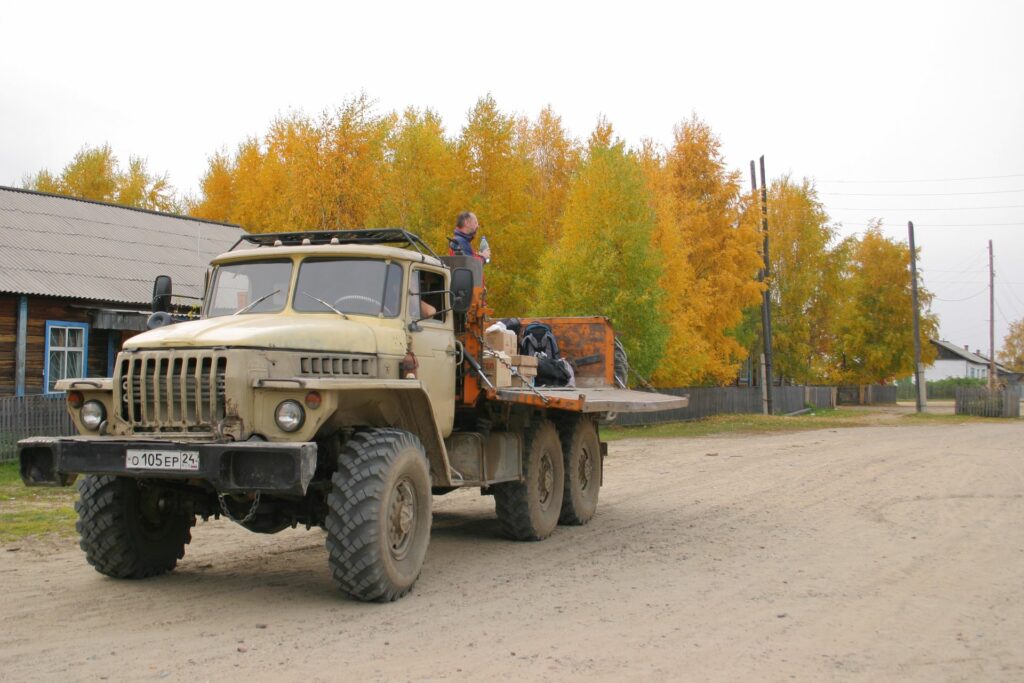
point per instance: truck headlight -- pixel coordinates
(289, 415)
(92, 415)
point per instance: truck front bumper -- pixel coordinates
(234, 467)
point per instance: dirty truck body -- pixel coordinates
(333, 379)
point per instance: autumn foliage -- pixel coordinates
(1012, 353)
(95, 173)
(664, 240)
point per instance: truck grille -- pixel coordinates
(171, 392)
(338, 366)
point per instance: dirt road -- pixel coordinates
(876, 553)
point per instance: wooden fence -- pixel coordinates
(981, 401)
(867, 395)
(25, 416)
(708, 401)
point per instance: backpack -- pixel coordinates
(537, 338)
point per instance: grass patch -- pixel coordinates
(946, 418)
(33, 510)
(816, 419)
(15, 526)
(741, 424)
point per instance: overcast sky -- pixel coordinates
(864, 98)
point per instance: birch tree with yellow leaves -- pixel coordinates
(497, 185)
(804, 281)
(305, 174)
(874, 327)
(421, 179)
(709, 243)
(95, 173)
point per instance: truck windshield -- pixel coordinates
(240, 285)
(359, 286)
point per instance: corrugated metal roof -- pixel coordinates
(60, 246)
(966, 354)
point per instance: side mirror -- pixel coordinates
(162, 294)
(462, 289)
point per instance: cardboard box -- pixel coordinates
(526, 371)
(518, 382)
(524, 361)
(496, 371)
(503, 341)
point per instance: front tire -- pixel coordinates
(130, 530)
(379, 515)
(528, 510)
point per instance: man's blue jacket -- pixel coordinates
(460, 245)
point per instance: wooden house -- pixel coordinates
(76, 279)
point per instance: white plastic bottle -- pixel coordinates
(484, 247)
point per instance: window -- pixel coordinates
(357, 286)
(260, 285)
(67, 348)
(430, 305)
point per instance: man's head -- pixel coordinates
(467, 224)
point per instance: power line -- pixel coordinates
(925, 180)
(1019, 224)
(1012, 293)
(918, 208)
(912, 194)
(968, 298)
(1000, 309)
(969, 264)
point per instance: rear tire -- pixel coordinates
(582, 449)
(528, 510)
(379, 515)
(129, 530)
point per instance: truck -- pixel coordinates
(334, 379)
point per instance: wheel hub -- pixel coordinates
(401, 518)
(546, 481)
(586, 467)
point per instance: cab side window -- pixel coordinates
(427, 296)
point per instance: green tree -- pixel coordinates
(603, 263)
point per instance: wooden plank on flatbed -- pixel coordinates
(594, 399)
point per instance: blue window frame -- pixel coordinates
(67, 352)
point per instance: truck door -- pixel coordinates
(434, 342)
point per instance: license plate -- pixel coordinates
(174, 460)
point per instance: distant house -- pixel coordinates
(956, 361)
(76, 280)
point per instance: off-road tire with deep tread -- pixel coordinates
(581, 447)
(119, 538)
(382, 477)
(528, 510)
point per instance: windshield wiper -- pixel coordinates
(257, 302)
(325, 304)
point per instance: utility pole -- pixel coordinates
(919, 383)
(991, 320)
(765, 277)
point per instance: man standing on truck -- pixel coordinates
(461, 243)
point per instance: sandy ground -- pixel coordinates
(875, 553)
